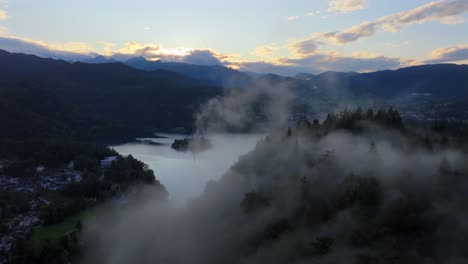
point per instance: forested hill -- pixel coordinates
(439, 80)
(214, 74)
(56, 97)
(431, 91)
(361, 187)
(442, 80)
(42, 97)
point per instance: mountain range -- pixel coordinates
(56, 97)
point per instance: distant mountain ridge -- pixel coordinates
(442, 80)
(106, 95)
(165, 95)
(215, 74)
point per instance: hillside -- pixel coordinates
(417, 90)
(118, 99)
(60, 98)
(216, 75)
(360, 187)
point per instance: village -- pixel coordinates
(42, 180)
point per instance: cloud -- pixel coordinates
(147, 28)
(346, 6)
(308, 58)
(304, 47)
(3, 15)
(293, 18)
(65, 51)
(332, 61)
(449, 54)
(354, 33)
(4, 31)
(202, 57)
(136, 49)
(265, 50)
(77, 51)
(445, 11)
(158, 52)
(325, 61)
(313, 13)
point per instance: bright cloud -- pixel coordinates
(346, 6)
(449, 54)
(138, 49)
(3, 15)
(315, 61)
(265, 50)
(21, 44)
(77, 51)
(445, 11)
(65, 51)
(3, 31)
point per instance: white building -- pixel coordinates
(40, 169)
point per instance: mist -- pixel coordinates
(305, 193)
(300, 197)
(259, 108)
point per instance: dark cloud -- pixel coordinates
(3, 15)
(305, 47)
(202, 57)
(363, 30)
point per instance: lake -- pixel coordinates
(185, 174)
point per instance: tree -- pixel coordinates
(254, 201)
(79, 226)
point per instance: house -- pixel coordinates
(40, 169)
(107, 162)
(73, 177)
(6, 243)
(29, 221)
(71, 165)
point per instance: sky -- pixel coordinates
(277, 36)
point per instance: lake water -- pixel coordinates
(185, 174)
